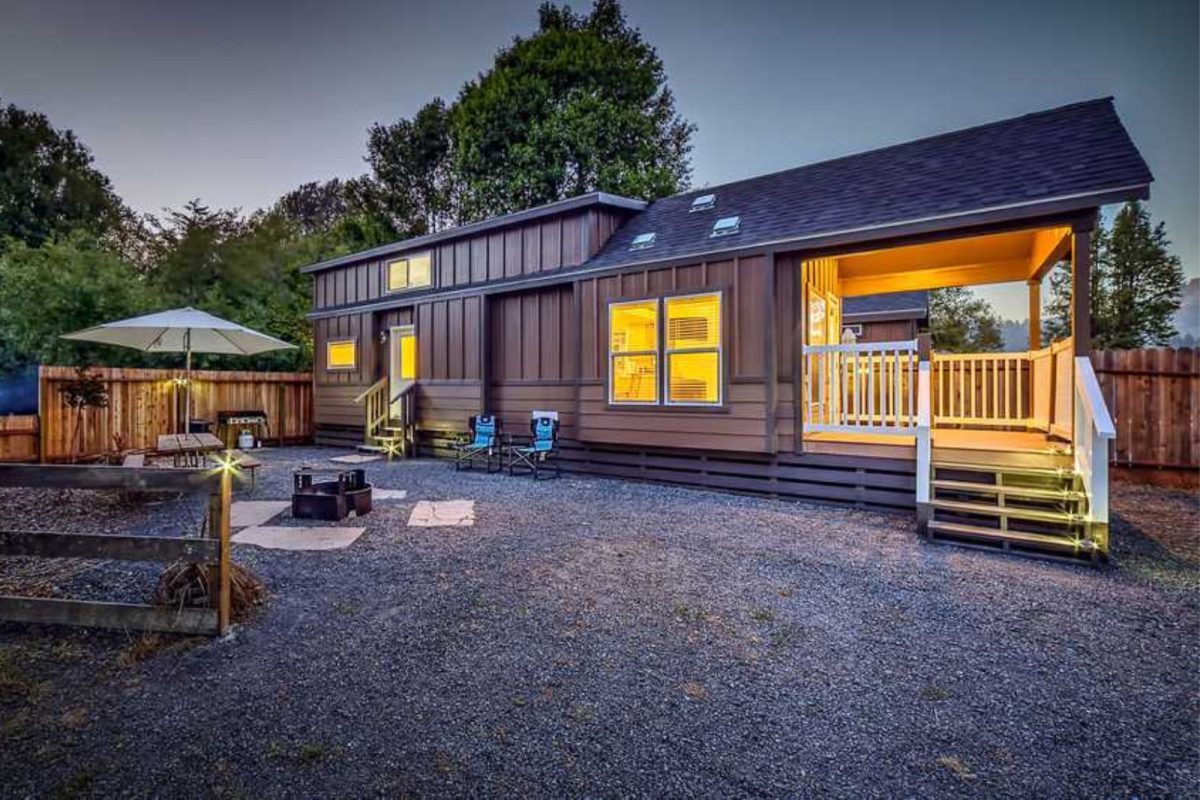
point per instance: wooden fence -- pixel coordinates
(144, 403)
(211, 547)
(1153, 395)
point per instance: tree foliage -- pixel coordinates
(1137, 285)
(582, 105)
(961, 322)
(48, 186)
(411, 164)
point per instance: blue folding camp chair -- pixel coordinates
(483, 445)
(539, 455)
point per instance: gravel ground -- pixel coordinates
(604, 638)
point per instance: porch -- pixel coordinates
(1004, 443)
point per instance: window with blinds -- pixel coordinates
(689, 345)
(693, 349)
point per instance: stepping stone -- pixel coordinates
(443, 514)
(248, 513)
(279, 538)
(388, 494)
(355, 458)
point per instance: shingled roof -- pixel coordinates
(1074, 151)
(893, 305)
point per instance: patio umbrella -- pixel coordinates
(181, 330)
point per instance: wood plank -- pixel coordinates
(70, 476)
(91, 613)
(124, 548)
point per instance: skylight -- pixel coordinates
(704, 202)
(642, 241)
(726, 225)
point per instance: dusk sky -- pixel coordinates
(238, 102)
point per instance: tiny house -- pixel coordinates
(698, 339)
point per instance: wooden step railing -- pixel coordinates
(861, 388)
(375, 408)
(390, 422)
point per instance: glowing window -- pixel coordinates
(408, 357)
(633, 352)
(690, 349)
(412, 272)
(693, 350)
(340, 354)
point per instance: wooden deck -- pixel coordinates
(1002, 447)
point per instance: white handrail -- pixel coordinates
(1092, 431)
(860, 388)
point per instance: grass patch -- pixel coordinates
(762, 614)
(311, 753)
(685, 613)
(957, 766)
(151, 644)
(345, 608)
(14, 683)
(79, 782)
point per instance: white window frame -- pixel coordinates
(328, 349)
(669, 351)
(656, 352)
(408, 285)
(662, 353)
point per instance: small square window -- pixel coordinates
(704, 202)
(341, 354)
(726, 226)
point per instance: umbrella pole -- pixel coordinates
(187, 382)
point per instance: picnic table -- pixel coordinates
(188, 449)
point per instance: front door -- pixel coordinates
(402, 361)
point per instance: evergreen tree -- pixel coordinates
(1137, 285)
(960, 322)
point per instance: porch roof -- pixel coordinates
(1077, 155)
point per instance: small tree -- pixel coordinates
(963, 323)
(86, 391)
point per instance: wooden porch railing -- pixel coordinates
(1005, 390)
(866, 388)
(390, 422)
(374, 401)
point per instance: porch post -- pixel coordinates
(1035, 314)
(924, 437)
(1081, 289)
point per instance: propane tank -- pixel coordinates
(245, 440)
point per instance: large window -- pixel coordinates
(411, 272)
(340, 354)
(688, 346)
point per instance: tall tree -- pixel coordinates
(186, 252)
(410, 161)
(48, 186)
(963, 323)
(582, 105)
(1137, 285)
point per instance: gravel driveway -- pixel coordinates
(604, 638)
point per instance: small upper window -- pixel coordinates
(726, 225)
(411, 272)
(642, 241)
(704, 202)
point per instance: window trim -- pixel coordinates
(329, 343)
(660, 301)
(408, 284)
(656, 353)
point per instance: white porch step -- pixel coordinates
(967, 466)
(1013, 512)
(1030, 492)
(1025, 538)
